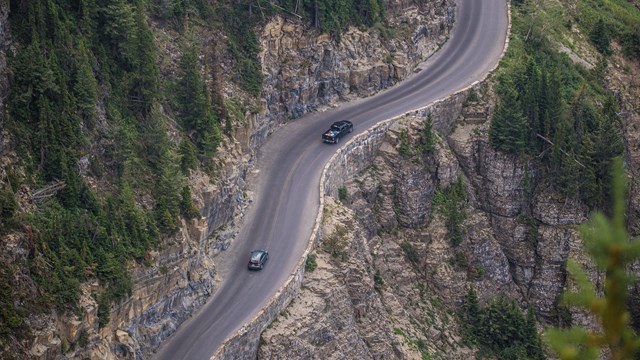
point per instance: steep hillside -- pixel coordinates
(441, 226)
(128, 129)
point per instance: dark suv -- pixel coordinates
(337, 130)
(257, 259)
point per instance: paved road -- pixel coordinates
(286, 199)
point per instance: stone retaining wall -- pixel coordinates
(351, 158)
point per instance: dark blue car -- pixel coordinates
(257, 259)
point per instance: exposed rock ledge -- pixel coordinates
(303, 71)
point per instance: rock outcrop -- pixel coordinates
(517, 239)
(305, 70)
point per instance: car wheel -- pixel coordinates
(350, 129)
(337, 139)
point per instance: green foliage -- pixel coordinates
(182, 10)
(500, 329)
(600, 37)
(405, 148)
(631, 42)
(243, 44)
(104, 306)
(342, 193)
(607, 242)
(508, 130)
(198, 119)
(605, 20)
(600, 147)
(333, 16)
(68, 57)
(310, 265)
(471, 314)
(451, 204)
(8, 207)
(427, 139)
(11, 316)
(378, 281)
(336, 244)
(553, 110)
(187, 151)
(472, 97)
(410, 252)
(188, 209)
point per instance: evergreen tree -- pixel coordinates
(600, 37)
(509, 130)
(531, 104)
(117, 26)
(472, 312)
(427, 140)
(86, 87)
(533, 343)
(189, 211)
(188, 160)
(197, 116)
(168, 191)
(564, 157)
(144, 88)
(600, 148)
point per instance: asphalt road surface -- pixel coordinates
(286, 199)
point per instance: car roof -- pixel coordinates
(342, 122)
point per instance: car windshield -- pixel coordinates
(335, 127)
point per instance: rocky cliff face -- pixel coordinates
(303, 71)
(516, 241)
(362, 301)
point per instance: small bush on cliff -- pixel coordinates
(451, 204)
(310, 265)
(336, 244)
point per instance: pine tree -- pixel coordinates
(564, 157)
(188, 160)
(472, 312)
(600, 37)
(86, 87)
(168, 191)
(531, 100)
(145, 86)
(189, 211)
(428, 138)
(198, 119)
(509, 130)
(601, 147)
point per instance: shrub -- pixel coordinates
(342, 193)
(310, 265)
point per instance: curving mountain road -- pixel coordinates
(291, 161)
